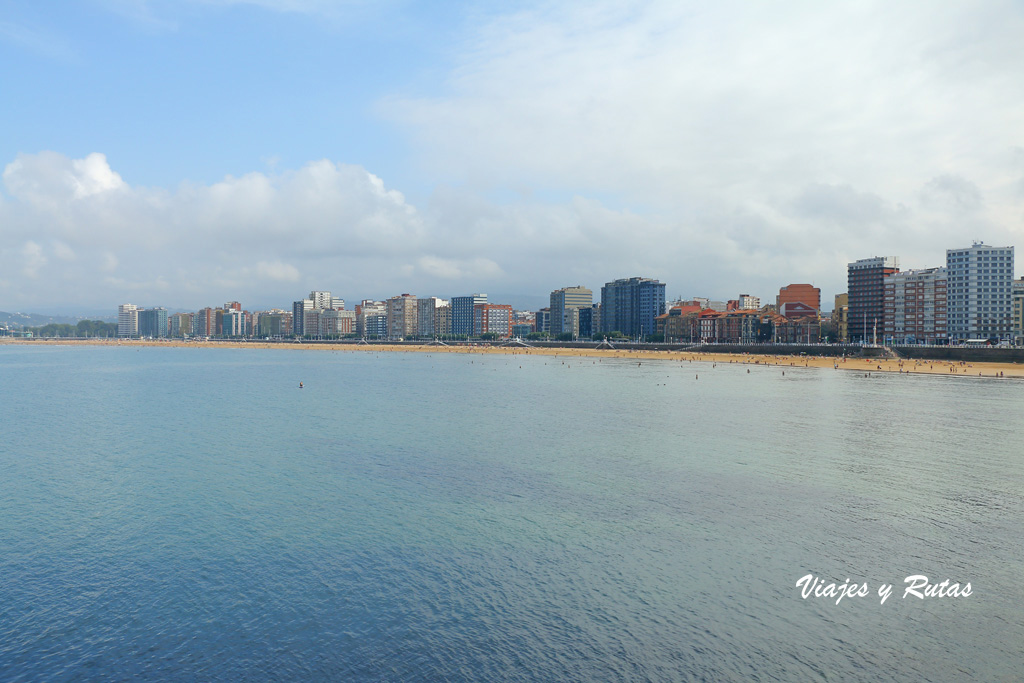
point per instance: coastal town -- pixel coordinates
(972, 300)
(486, 342)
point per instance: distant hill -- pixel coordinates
(37, 320)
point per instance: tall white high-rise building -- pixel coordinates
(321, 299)
(979, 292)
(127, 320)
(749, 303)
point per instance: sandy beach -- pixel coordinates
(849, 364)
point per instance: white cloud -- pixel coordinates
(273, 237)
(455, 269)
(951, 193)
(281, 272)
(63, 251)
(108, 263)
(32, 259)
(145, 287)
(92, 175)
(796, 136)
(48, 177)
(250, 233)
(720, 147)
(729, 96)
(268, 237)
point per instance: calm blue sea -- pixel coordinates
(191, 514)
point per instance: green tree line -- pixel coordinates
(84, 328)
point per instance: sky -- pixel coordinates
(186, 153)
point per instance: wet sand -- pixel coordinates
(849, 364)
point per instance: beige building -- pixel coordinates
(402, 316)
(443, 319)
(336, 323)
(565, 309)
(915, 307)
(1017, 292)
(841, 316)
(747, 302)
(426, 316)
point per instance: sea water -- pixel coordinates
(192, 514)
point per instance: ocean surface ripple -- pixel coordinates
(191, 514)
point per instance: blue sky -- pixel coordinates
(179, 91)
(193, 152)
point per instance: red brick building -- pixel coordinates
(808, 295)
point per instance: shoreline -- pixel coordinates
(864, 365)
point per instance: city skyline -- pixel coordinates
(983, 303)
(534, 301)
(185, 154)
